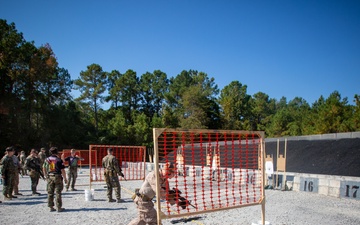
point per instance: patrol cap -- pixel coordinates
(9, 149)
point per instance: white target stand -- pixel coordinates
(269, 170)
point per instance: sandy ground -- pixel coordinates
(281, 208)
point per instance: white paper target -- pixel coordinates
(269, 168)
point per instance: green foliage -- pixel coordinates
(129, 94)
(113, 88)
(262, 111)
(117, 127)
(31, 86)
(92, 85)
(190, 101)
(330, 114)
(142, 130)
(156, 122)
(152, 88)
(234, 102)
(355, 119)
(36, 108)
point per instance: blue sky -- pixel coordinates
(282, 48)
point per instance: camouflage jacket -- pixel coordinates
(8, 165)
(22, 159)
(110, 163)
(42, 157)
(32, 163)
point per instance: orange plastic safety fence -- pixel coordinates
(131, 160)
(215, 169)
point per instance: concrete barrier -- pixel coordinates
(329, 185)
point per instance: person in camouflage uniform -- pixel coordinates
(42, 156)
(111, 172)
(54, 170)
(32, 163)
(72, 169)
(143, 197)
(8, 170)
(16, 179)
(22, 159)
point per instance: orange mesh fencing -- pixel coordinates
(131, 160)
(216, 170)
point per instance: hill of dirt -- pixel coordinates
(332, 157)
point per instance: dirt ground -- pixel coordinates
(335, 157)
(282, 208)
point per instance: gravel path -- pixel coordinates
(281, 208)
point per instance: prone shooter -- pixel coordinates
(175, 194)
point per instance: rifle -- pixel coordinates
(122, 175)
(31, 164)
(180, 201)
(38, 169)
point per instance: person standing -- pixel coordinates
(32, 164)
(143, 198)
(54, 171)
(72, 169)
(16, 179)
(42, 156)
(111, 172)
(7, 173)
(22, 159)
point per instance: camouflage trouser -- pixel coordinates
(34, 176)
(72, 175)
(23, 170)
(8, 184)
(55, 185)
(112, 181)
(16, 182)
(147, 213)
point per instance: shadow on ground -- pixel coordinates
(94, 209)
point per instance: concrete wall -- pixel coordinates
(317, 137)
(329, 185)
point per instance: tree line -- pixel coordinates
(37, 109)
